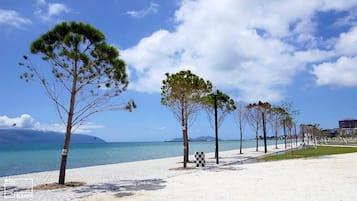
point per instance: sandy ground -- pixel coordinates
(327, 178)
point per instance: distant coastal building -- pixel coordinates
(347, 123)
(348, 126)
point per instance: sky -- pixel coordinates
(303, 52)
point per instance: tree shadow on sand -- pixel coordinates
(239, 159)
(123, 187)
(222, 168)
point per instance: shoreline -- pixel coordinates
(164, 179)
(271, 149)
(120, 158)
(251, 153)
(33, 158)
(127, 173)
(313, 179)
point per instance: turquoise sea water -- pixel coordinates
(27, 158)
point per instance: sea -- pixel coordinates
(28, 158)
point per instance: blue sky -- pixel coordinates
(302, 52)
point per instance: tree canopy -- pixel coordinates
(225, 105)
(182, 92)
(87, 74)
(81, 62)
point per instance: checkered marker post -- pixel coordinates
(200, 159)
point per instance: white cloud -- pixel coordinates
(25, 121)
(245, 46)
(41, 2)
(56, 9)
(346, 43)
(343, 72)
(47, 11)
(313, 55)
(153, 8)
(13, 18)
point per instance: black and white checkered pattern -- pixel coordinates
(200, 159)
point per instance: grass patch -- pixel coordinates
(306, 153)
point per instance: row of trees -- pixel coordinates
(259, 114)
(185, 94)
(88, 76)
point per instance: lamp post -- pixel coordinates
(216, 125)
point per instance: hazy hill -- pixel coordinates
(10, 136)
(198, 139)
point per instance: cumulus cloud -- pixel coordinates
(252, 47)
(346, 43)
(343, 72)
(13, 18)
(25, 121)
(47, 11)
(153, 8)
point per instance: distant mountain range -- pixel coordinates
(16, 136)
(198, 139)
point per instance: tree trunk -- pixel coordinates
(241, 135)
(296, 136)
(291, 139)
(184, 136)
(264, 134)
(216, 128)
(62, 175)
(61, 179)
(187, 152)
(296, 139)
(185, 147)
(276, 135)
(188, 143)
(285, 135)
(256, 137)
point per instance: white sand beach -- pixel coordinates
(327, 178)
